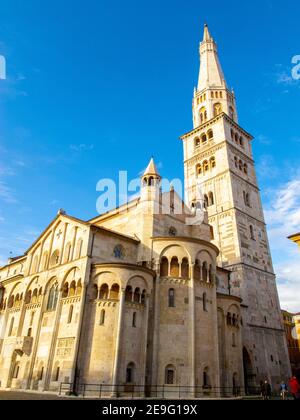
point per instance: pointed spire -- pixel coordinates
(211, 74)
(151, 169)
(207, 36)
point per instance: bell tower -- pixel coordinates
(218, 157)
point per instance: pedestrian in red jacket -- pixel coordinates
(294, 387)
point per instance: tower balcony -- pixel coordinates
(24, 345)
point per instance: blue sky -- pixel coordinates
(87, 80)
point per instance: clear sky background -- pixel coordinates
(99, 86)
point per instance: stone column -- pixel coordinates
(118, 340)
(80, 325)
(36, 338)
(51, 354)
(192, 332)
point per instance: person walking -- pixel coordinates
(266, 391)
(283, 391)
(294, 387)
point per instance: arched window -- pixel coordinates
(211, 199)
(211, 274)
(70, 316)
(143, 298)
(130, 373)
(246, 169)
(236, 163)
(54, 260)
(203, 115)
(204, 302)
(34, 296)
(206, 380)
(205, 201)
(198, 170)
(65, 292)
(241, 166)
(72, 289)
(210, 135)
(172, 232)
(185, 269)
(11, 327)
(204, 139)
(204, 272)
(78, 288)
(217, 109)
(134, 320)
(150, 181)
(197, 270)
(52, 298)
(170, 375)
(241, 141)
(236, 137)
(232, 134)
(104, 290)
(29, 332)
(114, 292)
(137, 295)
(128, 294)
(28, 297)
(164, 267)
(212, 163)
(17, 301)
(174, 267)
(11, 302)
(102, 317)
(171, 298)
(205, 166)
(229, 319)
(40, 296)
(197, 142)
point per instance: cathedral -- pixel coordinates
(150, 299)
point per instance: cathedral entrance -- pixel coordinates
(249, 374)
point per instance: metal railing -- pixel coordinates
(167, 392)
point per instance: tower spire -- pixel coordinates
(212, 96)
(211, 73)
(207, 36)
